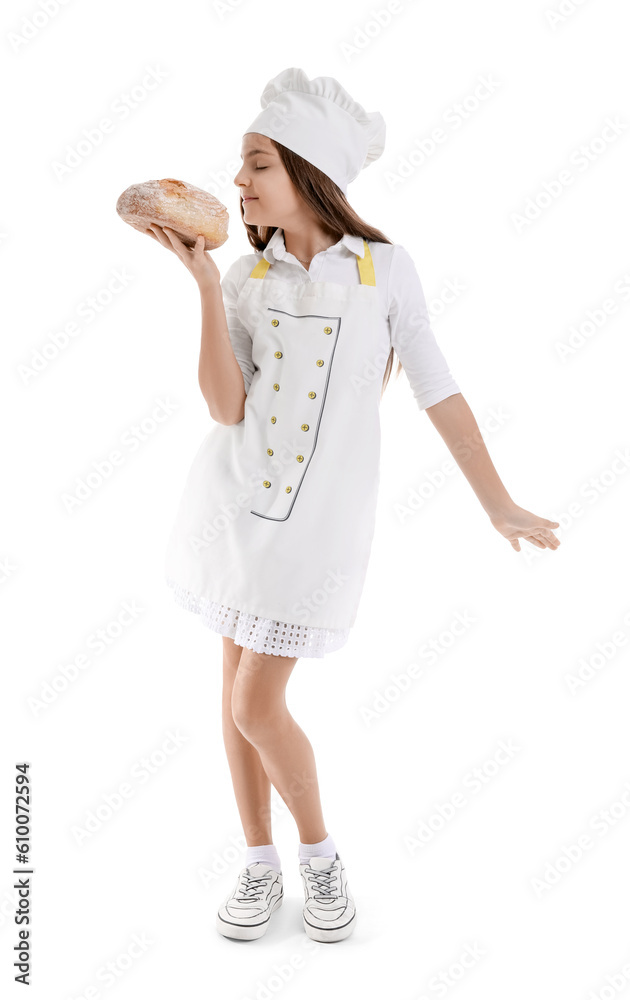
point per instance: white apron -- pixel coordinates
(277, 514)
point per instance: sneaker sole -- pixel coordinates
(246, 932)
(329, 934)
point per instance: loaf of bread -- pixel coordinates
(188, 210)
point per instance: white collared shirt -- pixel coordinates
(403, 306)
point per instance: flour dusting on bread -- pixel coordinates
(188, 210)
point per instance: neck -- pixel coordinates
(304, 245)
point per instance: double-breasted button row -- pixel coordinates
(268, 484)
(311, 395)
(304, 427)
(276, 322)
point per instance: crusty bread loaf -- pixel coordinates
(188, 210)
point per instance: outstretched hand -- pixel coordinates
(516, 522)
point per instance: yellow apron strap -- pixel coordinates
(260, 269)
(366, 267)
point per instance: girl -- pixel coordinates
(271, 541)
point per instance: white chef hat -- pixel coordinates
(318, 120)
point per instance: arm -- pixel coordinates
(455, 422)
(226, 367)
(220, 376)
(436, 391)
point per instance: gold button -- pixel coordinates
(300, 458)
(319, 363)
(266, 483)
(270, 451)
(304, 427)
(276, 386)
(312, 395)
(278, 354)
(327, 329)
(273, 420)
(275, 322)
(288, 489)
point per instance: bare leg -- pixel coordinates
(260, 712)
(252, 787)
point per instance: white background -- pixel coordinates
(493, 880)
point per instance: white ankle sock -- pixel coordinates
(324, 849)
(266, 853)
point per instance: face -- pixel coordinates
(263, 178)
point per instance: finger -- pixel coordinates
(176, 243)
(534, 541)
(200, 244)
(548, 538)
(547, 532)
(160, 236)
(552, 543)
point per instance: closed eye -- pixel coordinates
(261, 168)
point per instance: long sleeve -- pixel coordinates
(411, 335)
(239, 337)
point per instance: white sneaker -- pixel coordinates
(246, 911)
(329, 910)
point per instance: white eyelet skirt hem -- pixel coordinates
(263, 635)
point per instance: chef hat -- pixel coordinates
(318, 120)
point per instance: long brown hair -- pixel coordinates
(333, 212)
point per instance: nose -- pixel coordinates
(238, 174)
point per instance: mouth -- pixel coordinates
(249, 199)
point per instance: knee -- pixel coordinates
(256, 712)
(255, 718)
(258, 705)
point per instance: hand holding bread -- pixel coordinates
(183, 218)
(198, 261)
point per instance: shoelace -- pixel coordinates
(249, 889)
(324, 889)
